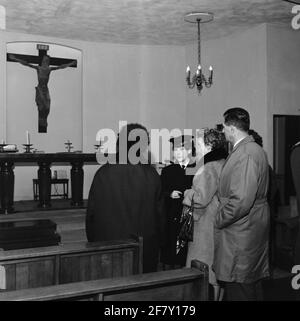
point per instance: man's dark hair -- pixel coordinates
(237, 117)
(140, 132)
(257, 138)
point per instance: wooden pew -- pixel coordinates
(81, 261)
(187, 284)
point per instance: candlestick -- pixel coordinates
(68, 146)
(98, 145)
(27, 148)
(2, 146)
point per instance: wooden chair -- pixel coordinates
(54, 181)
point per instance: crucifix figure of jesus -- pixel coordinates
(44, 68)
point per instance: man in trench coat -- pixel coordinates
(242, 221)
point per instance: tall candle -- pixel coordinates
(27, 138)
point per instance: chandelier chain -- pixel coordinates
(199, 42)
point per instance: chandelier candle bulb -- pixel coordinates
(211, 73)
(188, 71)
(199, 69)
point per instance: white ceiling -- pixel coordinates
(139, 21)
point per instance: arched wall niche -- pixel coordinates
(65, 89)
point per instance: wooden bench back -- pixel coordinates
(187, 284)
(81, 261)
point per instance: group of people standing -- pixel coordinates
(230, 211)
(228, 193)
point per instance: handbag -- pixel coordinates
(187, 226)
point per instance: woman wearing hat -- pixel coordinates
(174, 182)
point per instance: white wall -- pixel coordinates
(240, 80)
(119, 82)
(65, 88)
(256, 69)
(283, 48)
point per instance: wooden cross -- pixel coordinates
(42, 49)
(43, 71)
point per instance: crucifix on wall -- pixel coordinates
(43, 64)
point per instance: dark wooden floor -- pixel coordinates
(280, 289)
(71, 227)
(56, 204)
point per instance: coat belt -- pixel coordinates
(225, 200)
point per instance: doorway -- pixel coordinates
(286, 134)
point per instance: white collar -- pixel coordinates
(185, 164)
(238, 141)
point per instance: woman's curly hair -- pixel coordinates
(214, 138)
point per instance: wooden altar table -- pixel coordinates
(44, 161)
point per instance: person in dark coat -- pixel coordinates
(174, 183)
(242, 221)
(126, 198)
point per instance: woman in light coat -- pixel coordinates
(211, 155)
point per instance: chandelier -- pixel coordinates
(199, 79)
